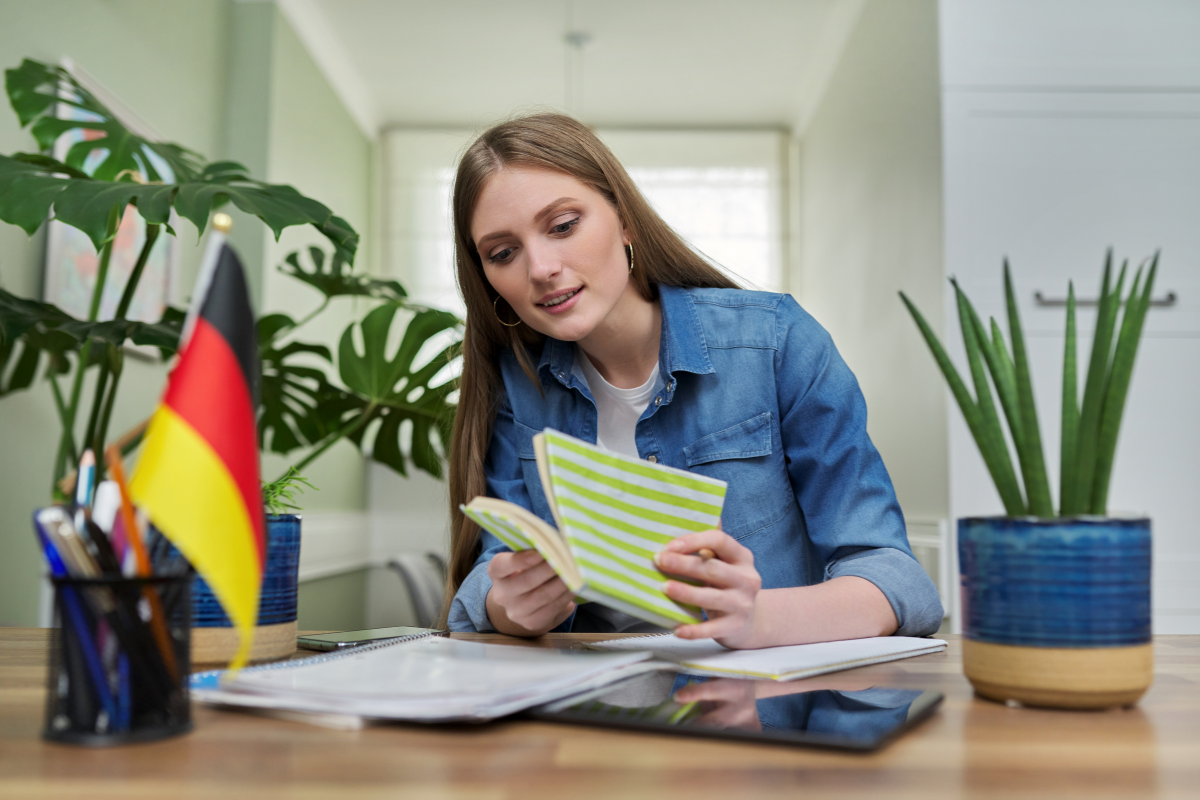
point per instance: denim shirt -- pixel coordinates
(752, 392)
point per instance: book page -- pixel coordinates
(521, 529)
(616, 512)
(707, 657)
(543, 466)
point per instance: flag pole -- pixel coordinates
(221, 224)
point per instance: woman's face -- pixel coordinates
(554, 249)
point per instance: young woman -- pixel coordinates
(586, 313)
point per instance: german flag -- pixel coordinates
(198, 477)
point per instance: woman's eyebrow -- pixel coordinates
(538, 217)
(549, 209)
(489, 237)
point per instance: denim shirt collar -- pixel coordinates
(682, 347)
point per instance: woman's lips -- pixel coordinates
(564, 305)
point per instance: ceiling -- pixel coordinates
(649, 63)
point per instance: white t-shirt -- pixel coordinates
(618, 410)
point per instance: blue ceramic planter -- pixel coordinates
(1056, 608)
(1080, 582)
(213, 637)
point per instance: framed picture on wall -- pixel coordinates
(72, 262)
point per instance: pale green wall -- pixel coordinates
(315, 146)
(871, 197)
(174, 63)
(336, 603)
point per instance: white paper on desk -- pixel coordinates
(706, 657)
(433, 679)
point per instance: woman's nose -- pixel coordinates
(543, 264)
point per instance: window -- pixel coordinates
(721, 191)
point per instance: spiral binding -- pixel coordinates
(212, 678)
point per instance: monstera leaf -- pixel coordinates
(336, 280)
(52, 330)
(25, 354)
(36, 89)
(393, 389)
(290, 392)
(83, 194)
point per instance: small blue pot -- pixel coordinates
(213, 637)
(1055, 609)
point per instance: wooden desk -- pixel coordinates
(971, 748)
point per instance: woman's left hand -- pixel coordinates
(730, 591)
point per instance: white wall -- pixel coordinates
(870, 225)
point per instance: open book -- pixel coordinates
(613, 513)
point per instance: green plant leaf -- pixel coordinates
(290, 392)
(1095, 385)
(1005, 377)
(29, 191)
(330, 277)
(966, 403)
(121, 162)
(1070, 415)
(279, 496)
(35, 91)
(1029, 448)
(391, 390)
(1118, 385)
(51, 165)
(990, 439)
(19, 316)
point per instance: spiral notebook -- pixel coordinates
(706, 657)
(613, 513)
(423, 679)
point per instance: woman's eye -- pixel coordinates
(565, 227)
(503, 255)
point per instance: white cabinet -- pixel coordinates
(1054, 149)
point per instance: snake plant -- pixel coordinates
(1089, 428)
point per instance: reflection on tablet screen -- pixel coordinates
(796, 713)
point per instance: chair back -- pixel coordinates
(424, 576)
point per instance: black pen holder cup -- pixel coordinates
(119, 660)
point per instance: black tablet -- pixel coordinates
(761, 711)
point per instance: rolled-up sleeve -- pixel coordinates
(468, 610)
(840, 482)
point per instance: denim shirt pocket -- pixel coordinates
(745, 457)
(529, 472)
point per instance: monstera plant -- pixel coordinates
(111, 170)
(381, 389)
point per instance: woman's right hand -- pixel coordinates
(527, 598)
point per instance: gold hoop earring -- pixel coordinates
(630, 246)
(502, 322)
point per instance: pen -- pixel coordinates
(74, 612)
(85, 479)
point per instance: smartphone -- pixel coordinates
(342, 639)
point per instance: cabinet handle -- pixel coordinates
(1060, 302)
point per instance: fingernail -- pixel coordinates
(656, 555)
(665, 586)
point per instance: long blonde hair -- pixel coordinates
(563, 144)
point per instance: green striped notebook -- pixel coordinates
(614, 512)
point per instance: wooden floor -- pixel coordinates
(970, 748)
